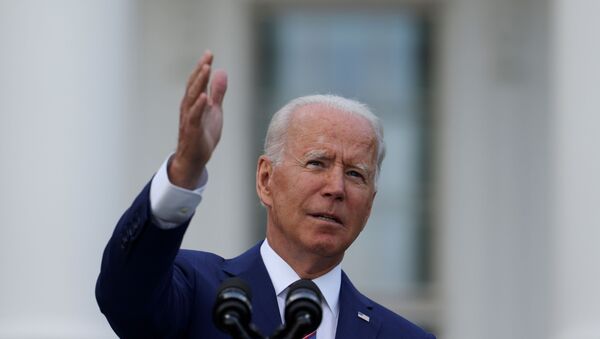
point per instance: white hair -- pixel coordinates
(275, 139)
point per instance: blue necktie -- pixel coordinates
(311, 335)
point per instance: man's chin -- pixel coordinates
(327, 248)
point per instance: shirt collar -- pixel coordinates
(282, 276)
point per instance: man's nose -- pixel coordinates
(334, 184)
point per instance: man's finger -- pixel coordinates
(199, 85)
(206, 59)
(197, 109)
(218, 87)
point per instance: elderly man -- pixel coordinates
(317, 181)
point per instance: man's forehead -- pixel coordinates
(313, 118)
(318, 129)
(318, 111)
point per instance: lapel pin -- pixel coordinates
(364, 316)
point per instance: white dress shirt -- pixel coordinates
(172, 205)
(282, 276)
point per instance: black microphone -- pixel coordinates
(303, 312)
(232, 310)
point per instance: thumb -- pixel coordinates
(218, 87)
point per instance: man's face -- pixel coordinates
(319, 196)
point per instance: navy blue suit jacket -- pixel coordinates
(149, 288)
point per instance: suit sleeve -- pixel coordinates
(140, 290)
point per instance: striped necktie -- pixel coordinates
(311, 335)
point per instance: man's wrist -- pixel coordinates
(184, 174)
(172, 205)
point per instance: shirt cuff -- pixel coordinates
(171, 205)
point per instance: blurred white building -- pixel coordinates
(506, 214)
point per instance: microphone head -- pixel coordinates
(233, 299)
(303, 305)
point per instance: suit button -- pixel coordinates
(124, 241)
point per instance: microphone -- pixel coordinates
(303, 312)
(232, 310)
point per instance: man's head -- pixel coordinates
(318, 176)
(278, 127)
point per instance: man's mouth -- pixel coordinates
(327, 217)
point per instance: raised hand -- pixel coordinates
(200, 123)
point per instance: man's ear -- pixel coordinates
(264, 173)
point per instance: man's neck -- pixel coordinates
(306, 265)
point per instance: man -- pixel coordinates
(317, 181)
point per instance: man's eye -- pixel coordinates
(314, 163)
(355, 174)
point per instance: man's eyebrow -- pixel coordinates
(323, 154)
(363, 167)
(315, 154)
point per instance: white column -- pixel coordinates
(493, 171)
(63, 118)
(577, 163)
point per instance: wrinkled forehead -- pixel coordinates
(318, 123)
(312, 117)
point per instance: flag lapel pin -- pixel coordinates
(364, 316)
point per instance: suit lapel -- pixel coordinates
(250, 267)
(356, 318)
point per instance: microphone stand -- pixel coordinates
(292, 333)
(237, 330)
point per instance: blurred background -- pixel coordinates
(486, 223)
